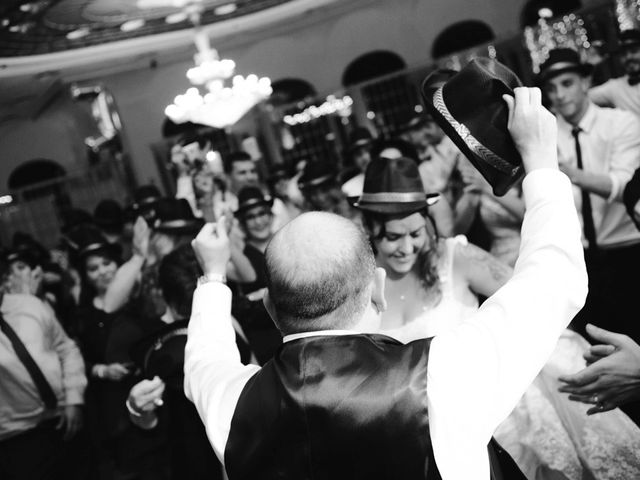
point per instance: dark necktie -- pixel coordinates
(587, 212)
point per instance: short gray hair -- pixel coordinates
(319, 267)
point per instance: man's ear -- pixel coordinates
(271, 309)
(377, 292)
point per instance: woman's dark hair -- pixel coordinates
(177, 277)
(427, 260)
(87, 291)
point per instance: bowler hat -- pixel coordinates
(393, 186)
(562, 60)
(174, 215)
(316, 173)
(145, 194)
(470, 109)
(250, 197)
(629, 38)
(358, 138)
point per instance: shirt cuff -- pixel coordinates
(545, 183)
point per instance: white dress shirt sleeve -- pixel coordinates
(625, 154)
(214, 376)
(479, 370)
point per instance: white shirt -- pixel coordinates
(477, 372)
(610, 145)
(617, 93)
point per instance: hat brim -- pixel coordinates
(180, 227)
(395, 208)
(500, 181)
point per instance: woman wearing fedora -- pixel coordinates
(431, 282)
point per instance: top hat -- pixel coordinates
(108, 215)
(358, 138)
(628, 38)
(393, 186)
(316, 173)
(470, 109)
(86, 240)
(250, 197)
(174, 215)
(562, 60)
(27, 249)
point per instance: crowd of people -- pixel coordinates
(407, 246)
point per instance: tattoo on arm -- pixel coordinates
(500, 272)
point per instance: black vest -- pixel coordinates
(340, 407)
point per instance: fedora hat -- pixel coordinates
(108, 215)
(174, 215)
(358, 138)
(628, 38)
(470, 109)
(316, 173)
(393, 186)
(85, 240)
(250, 197)
(562, 60)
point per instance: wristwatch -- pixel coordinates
(212, 277)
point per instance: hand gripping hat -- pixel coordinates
(470, 109)
(393, 186)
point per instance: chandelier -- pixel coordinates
(218, 98)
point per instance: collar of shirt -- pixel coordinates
(328, 333)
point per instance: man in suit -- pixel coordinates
(339, 401)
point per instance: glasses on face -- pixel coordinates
(257, 214)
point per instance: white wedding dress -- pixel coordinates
(549, 436)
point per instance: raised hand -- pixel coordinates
(612, 377)
(212, 247)
(533, 129)
(141, 234)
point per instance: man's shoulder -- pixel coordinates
(615, 116)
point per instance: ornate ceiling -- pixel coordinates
(48, 26)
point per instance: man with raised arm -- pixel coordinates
(339, 401)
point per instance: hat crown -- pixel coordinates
(629, 37)
(393, 175)
(316, 173)
(170, 209)
(470, 109)
(85, 238)
(146, 194)
(562, 56)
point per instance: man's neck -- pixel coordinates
(259, 244)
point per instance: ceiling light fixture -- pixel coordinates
(221, 105)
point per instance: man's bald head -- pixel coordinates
(319, 268)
